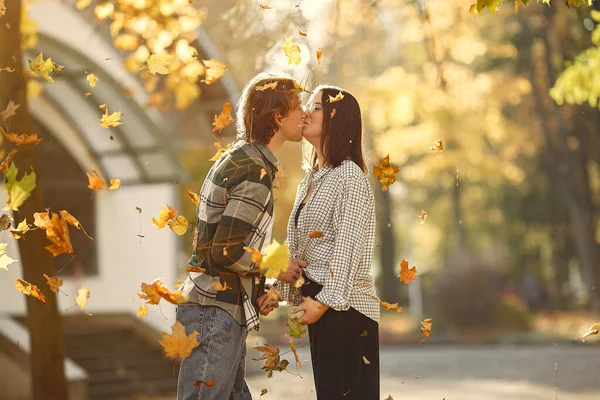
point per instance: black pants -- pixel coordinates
(344, 347)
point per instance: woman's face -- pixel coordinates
(313, 126)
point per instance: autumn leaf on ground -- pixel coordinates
(293, 349)
(220, 151)
(179, 225)
(319, 55)
(165, 215)
(20, 230)
(222, 120)
(423, 216)
(95, 181)
(11, 109)
(111, 120)
(316, 234)
(82, 297)
(194, 197)
(207, 384)
(219, 287)
(295, 328)
(4, 165)
(22, 139)
(275, 260)
(214, 71)
(143, 311)
(5, 222)
(385, 173)
(273, 294)
(392, 307)
(149, 294)
(5, 260)
(594, 330)
(173, 297)
(406, 275)
(115, 183)
(91, 80)
(437, 147)
(53, 283)
(338, 97)
(272, 360)
(256, 255)
(292, 51)
(29, 290)
(18, 191)
(178, 344)
(157, 63)
(266, 86)
(42, 67)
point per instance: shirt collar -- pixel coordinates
(273, 161)
(320, 173)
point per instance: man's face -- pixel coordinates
(290, 126)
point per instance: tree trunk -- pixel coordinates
(43, 320)
(389, 290)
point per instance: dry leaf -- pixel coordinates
(302, 33)
(115, 183)
(220, 151)
(149, 294)
(29, 289)
(273, 294)
(157, 63)
(272, 360)
(256, 255)
(53, 283)
(316, 234)
(385, 173)
(207, 384)
(5, 222)
(332, 113)
(214, 71)
(366, 361)
(165, 215)
(21, 230)
(194, 197)
(178, 344)
(266, 7)
(174, 297)
(423, 216)
(294, 351)
(7, 160)
(5, 260)
(319, 55)
(266, 86)
(11, 109)
(91, 80)
(263, 392)
(292, 51)
(338, 97)
(57, 232)
(406, 275)
(2, 8)
(195, 269)
(143, 311)
(392, 307)
(42, 67)
(23, 139)
(594, 330)
(437, 147)
(275, 260)
(300, 281)
(111, 120)
(222, 120)
(95, 182)
(179, 225)
(219, 287)
(82, 297)
(426, 327)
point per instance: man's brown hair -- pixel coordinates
(260, 102)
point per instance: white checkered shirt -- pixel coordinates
(341, 206)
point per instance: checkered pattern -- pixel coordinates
(341, 206)
(235, 211)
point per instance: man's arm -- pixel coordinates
(247, 202)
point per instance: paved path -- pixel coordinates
(460, 373)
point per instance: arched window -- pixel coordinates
(64, 187)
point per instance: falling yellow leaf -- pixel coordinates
(95, 181)
(157, 63)
(385, 173)
(256, 255)
(222, 120)
(263, 392)
(338, 97)
(82, 297)
(275, 260)
(406, 275)
(426, 327)
(149, 294)
(178, 282)
(437, 147)
(91, 79)
(179, 225)
(22, 139)
(127, 42)
(294, 351)
(292, 51)
(115, 183)
(42, 67)
(423, 216)
(143, 311)
(173, 297)
(265, 7)
(110, 120)
(165, 215)
(220, 151)
(178, 344)
(21, 229)
(17, 190)
(185, 93)
(5, 260)
(53, 283)
(11, 109)
(2, 8)
(219, 287)
(214, 71)
(594, 330)
(266, 86)
(319, 55)
(392, 307)
(29, 289)
(194, 197)
(34, 88)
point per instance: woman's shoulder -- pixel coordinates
(349, 170)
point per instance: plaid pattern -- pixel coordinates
(341, 206)
(235, 211)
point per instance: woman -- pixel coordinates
(332, 228)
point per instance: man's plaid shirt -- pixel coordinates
(235, 211)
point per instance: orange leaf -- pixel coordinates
(143, 311)
(223, 119)
(256, 256)
(165, 215)
(437, 147)
(23, 139)
(385, 173)
(302, 33)
(71, 220)
(316, 234)
(392, 307)
(7, 160)
(265, 7)
(95, 182)
(30, 290)
(149, 294)
(426, 327)
(11, 110)
(195, 269)
(207, 384)
(319, 54)
(406, 275)
(174, 297)
(220, 151)
(57, 232)
(194, 197)
(214, 71)
(115, 183)
(53, 283)
(293, 349)
(219, 287)
(423, 216)
(178, 344)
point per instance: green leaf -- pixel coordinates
(18, 191)
(296, 329)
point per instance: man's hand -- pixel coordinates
(294, 271)
(266, 305)
(313, 310)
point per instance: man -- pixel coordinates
(236, 212)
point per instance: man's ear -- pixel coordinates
(278, 118)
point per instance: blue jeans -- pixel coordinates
(220, 356)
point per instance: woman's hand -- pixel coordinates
(265, 304)
(313, 310)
